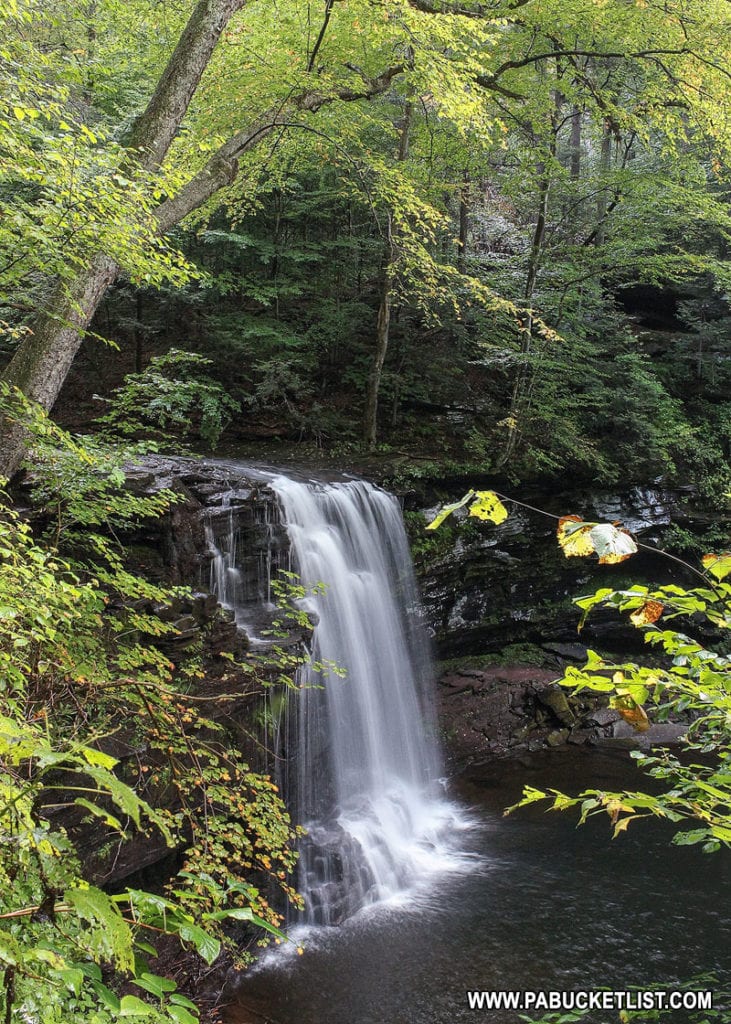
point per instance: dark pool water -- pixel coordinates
(543, 905)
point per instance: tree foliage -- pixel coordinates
(557, 153)
(693, 680)
(80, 655)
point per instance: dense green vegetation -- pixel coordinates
(490, 235)
(495, 232)
(102, 735)
(692, 677)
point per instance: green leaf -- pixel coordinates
(10, 950)
(112, 936)
(145, 947)
(72, 978)
(98, 757)
(177, 1000)
(718, 565)
(154, 984)
(108, 818)
(206, 945)
(106, 996)
(245, 914)
(131, 1006)
(181, 1015)
(126, 799)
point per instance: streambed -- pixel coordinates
(538, 904)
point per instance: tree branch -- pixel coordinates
(480, 11)
(221, 170)
(511, 65)
(321, 36)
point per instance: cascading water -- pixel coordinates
(360, 735)
(367, 759)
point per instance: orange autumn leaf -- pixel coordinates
(649, 612)
(632, 712)
(636, 717)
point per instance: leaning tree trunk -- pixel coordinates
(41, 363)
(44, 358)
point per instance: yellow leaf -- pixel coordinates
(488, 506)
(448, 510)
(573, 536)
(621, 826)
(718, 565)
(649, 612)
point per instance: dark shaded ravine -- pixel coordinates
(545, 905)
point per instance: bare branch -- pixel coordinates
(321, 36)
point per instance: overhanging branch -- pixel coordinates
(221, 170)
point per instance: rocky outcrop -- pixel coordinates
(216, 502)
(486, 587)
(502, 711)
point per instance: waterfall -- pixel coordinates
(359, 731)
(367, 758)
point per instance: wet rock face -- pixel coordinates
(222, 508)
(486, 587)
(215, 501)
(338, 880)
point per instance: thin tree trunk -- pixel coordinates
(602, 203)
(575, 167)
(379, 356)
(464, 220)
(383, 323)
(517, 400)
(139, 332)
(539, 233)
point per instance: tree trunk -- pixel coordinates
(41, 363)
(575, 144)
(373, 387)
(370, 426)
(154, 130)
(464, 220)
(139, 332)
(602, 203)
(518, 398)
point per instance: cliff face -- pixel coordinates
(489, 587)
(484, 587)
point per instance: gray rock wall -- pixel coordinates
(487, 587)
